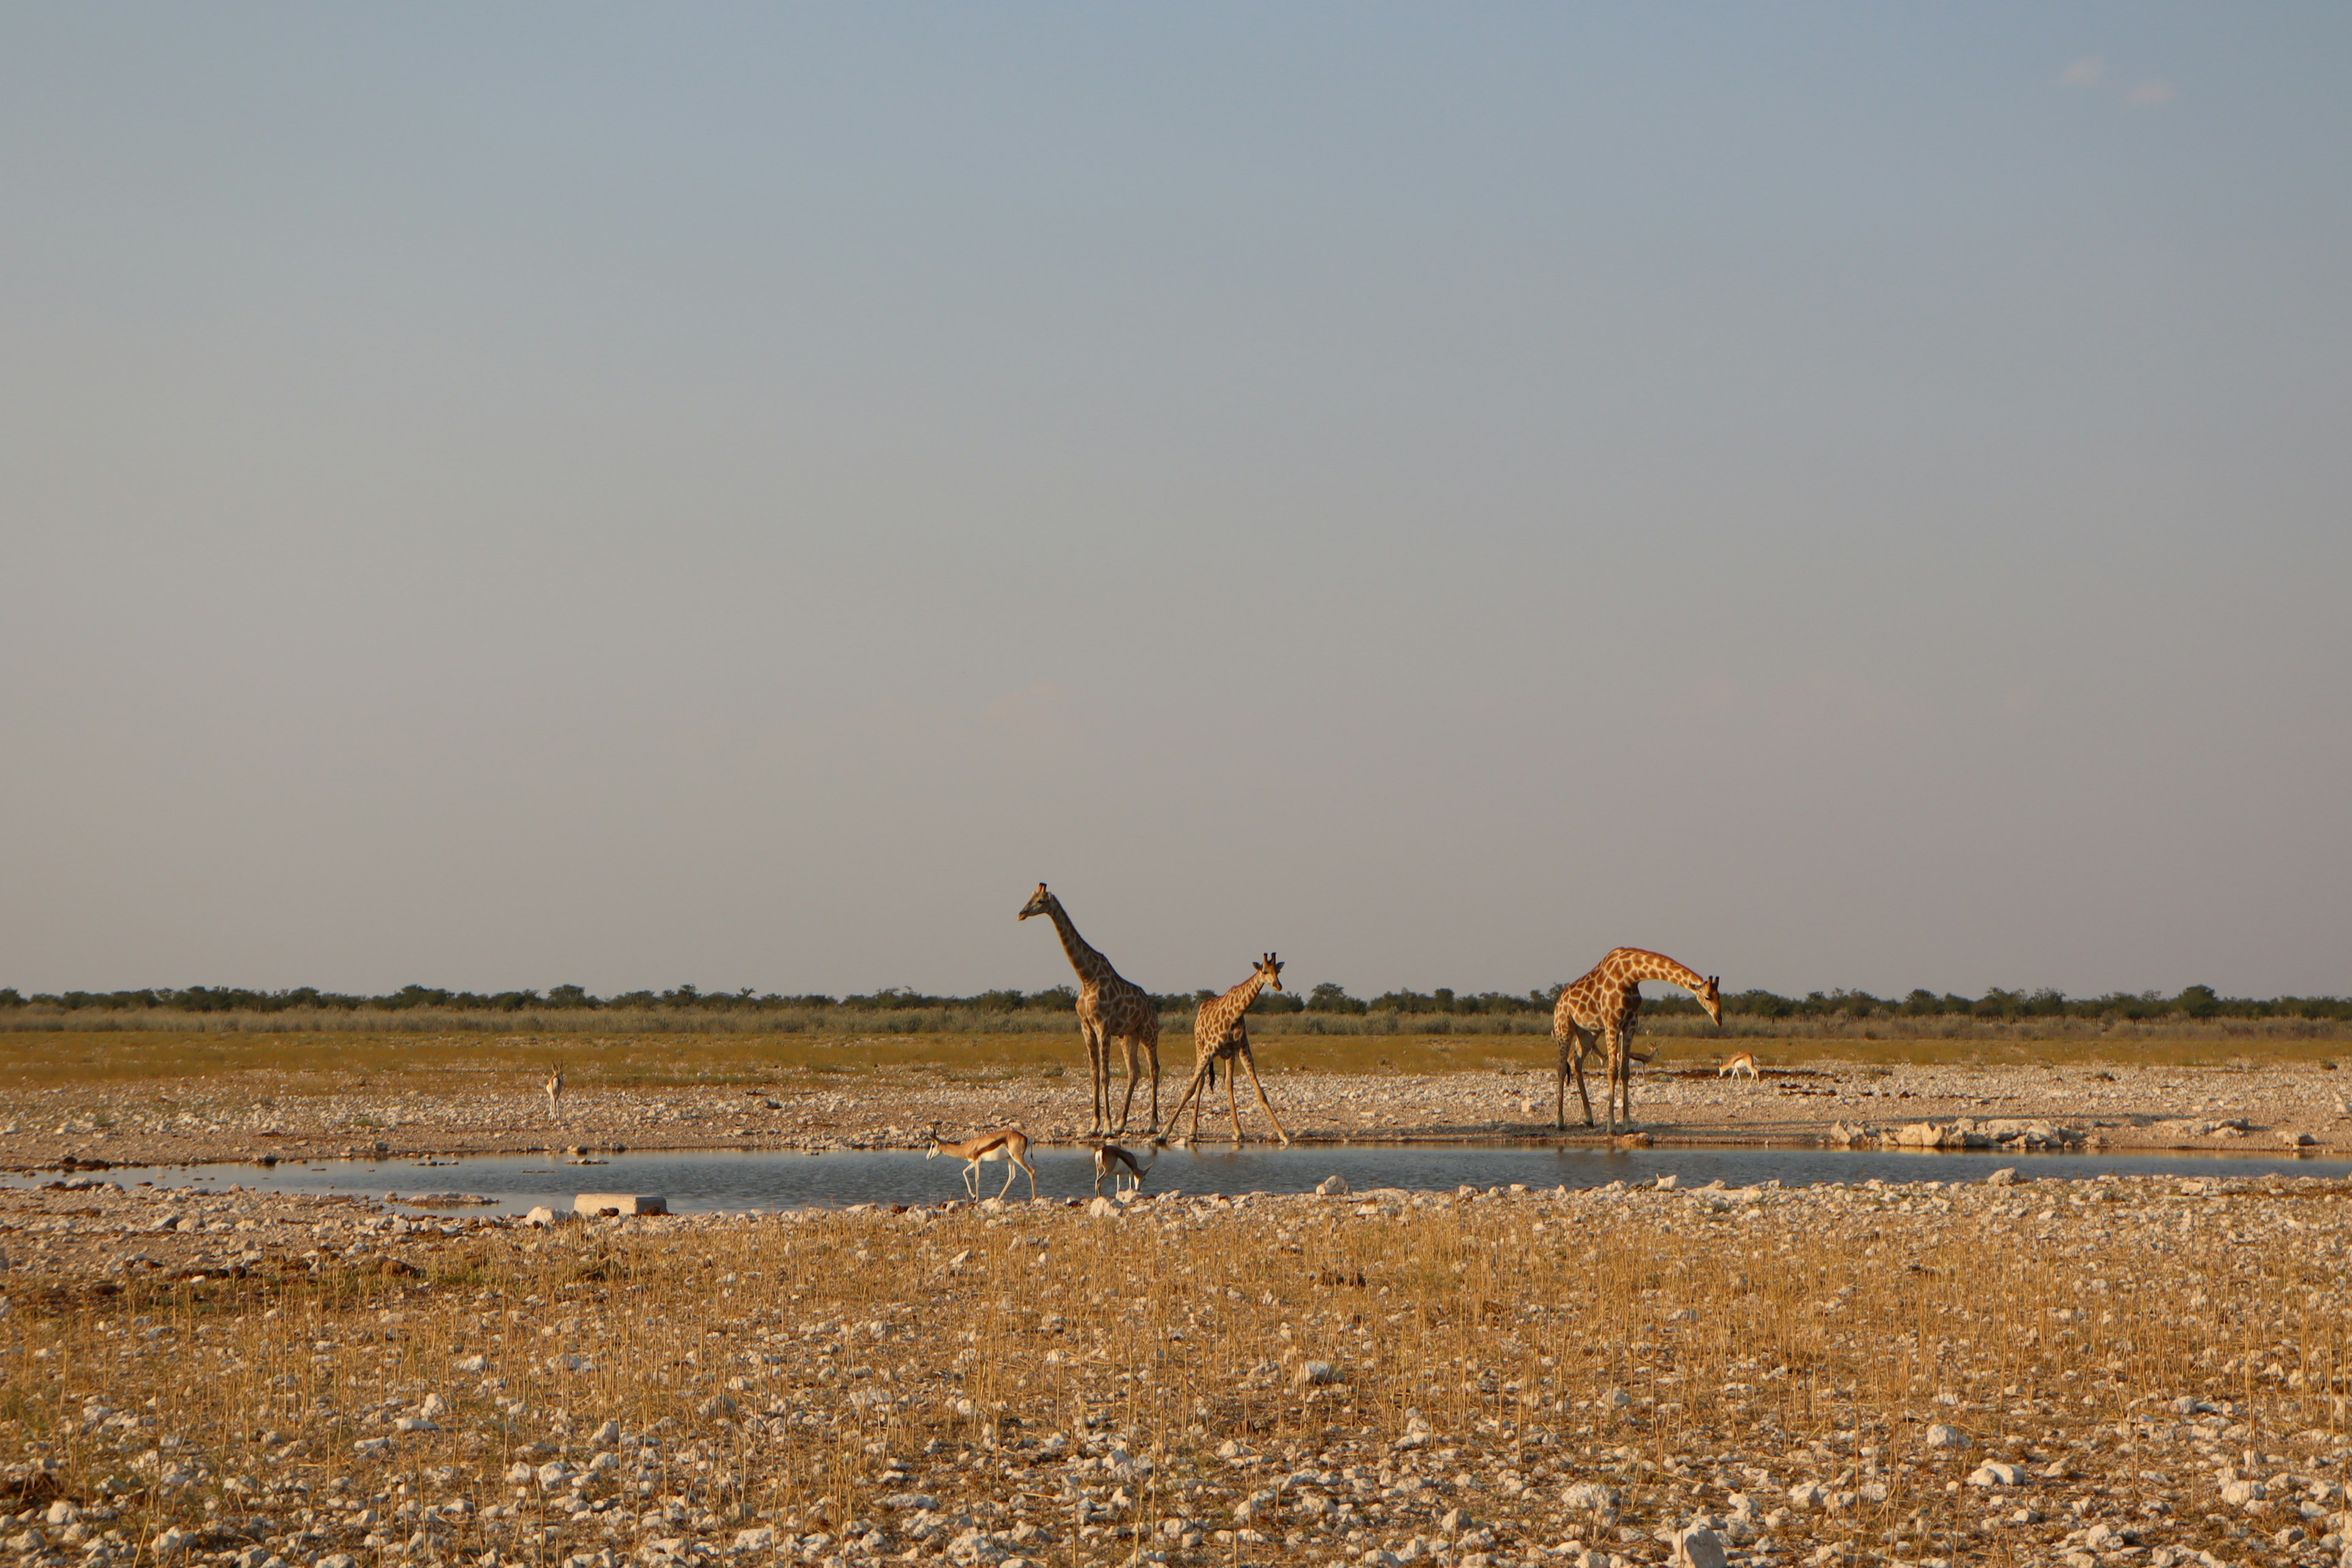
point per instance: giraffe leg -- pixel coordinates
(1127, 1106)
(1233, 1101)
(1621, 1060)
(1191, 1090)
(1151, 1048)
(1630, 1058)
(1624, 1085)
(1609, 1069)
(1578, 1045)
(1250, 1060)
(1581, 1052)
(1093, 1073)
(1193, 1097)
(1559, 1088)
(1571, 1070)
(1102, 1080)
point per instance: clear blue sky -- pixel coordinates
(1847, 495)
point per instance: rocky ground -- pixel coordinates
(2113, 1372)
(252, 1116)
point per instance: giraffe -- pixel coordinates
(1603, 1007)
(1220, 1033)
(1588, 1042)
(1110, 1007)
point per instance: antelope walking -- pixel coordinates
(1110, 1007)
(556, 1091)
(1605, 1004)
(1220, 1033)
(1009, 1144)
(1741, 1066)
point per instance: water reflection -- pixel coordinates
(722, 1179)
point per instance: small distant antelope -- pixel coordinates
(1009, 1143)
(555, 1090)
(1741, 1066)
(1108, 1158)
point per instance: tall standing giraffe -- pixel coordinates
(1604, 1007)
(1110, 1007)
(1220, 1033)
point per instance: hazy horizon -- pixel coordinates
(1844, 496)
(1065, 991)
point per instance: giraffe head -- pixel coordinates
(1712, 999)
(1271, 968)
(1041, 902)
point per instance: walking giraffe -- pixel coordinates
(1110, 1007)
(1220, 1033)
(1604, 1006)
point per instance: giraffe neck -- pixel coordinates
(1642, 964)
(1091, 965)
(1237, 1002)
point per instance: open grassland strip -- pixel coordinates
(1808, 1368)
(827, 1029)
(450, 1060)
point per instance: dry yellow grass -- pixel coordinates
(1680, 1350)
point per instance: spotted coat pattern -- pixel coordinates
(1110, 1007)
(1599, 1012)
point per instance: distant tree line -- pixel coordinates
(2194, 1001)
(557, 999)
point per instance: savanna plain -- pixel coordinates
(2016, 1370)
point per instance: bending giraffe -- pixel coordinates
(1110, 1007)
(1603, 1007)
(1220, 1033)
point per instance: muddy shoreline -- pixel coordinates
(253, 1117)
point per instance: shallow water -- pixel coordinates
(726, 1179)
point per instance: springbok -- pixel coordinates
(1007, 1143)
(555, 1090)
(1741, 1066)
(1108, 1158)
